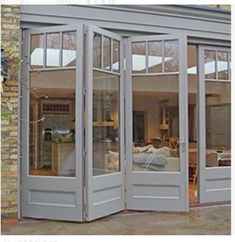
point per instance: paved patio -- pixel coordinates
(199, 221)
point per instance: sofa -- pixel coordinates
(146, 158)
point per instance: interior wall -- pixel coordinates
(153, 116)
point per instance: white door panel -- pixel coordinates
(52, 168)
(215, 124)
(90, 177)
(157, 181)
(104, 123)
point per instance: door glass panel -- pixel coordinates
(171, 55)
(69, 49)
(139, 57)
(107, 53)
(156, 123)
(52, 123)
(229, 62)
(218, 124)
(192, 122)
(53, 50)
(97, 51)
(36, 51)
(155, 57)
(222, 65)
(210, 63)
(106, 123)
(116, 56)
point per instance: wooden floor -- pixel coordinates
(193, 201)
(42, 172)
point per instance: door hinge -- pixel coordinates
(84, 92)
(84, 153)
(84, 203)
(182, 144)
(85, 30)
(25, 60)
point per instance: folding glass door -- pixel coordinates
(52, 123)
(104, 123)
(73, 120)
(156, 123)
(215, 124)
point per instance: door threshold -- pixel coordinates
(210, 204)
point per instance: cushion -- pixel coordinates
(113, 166)
(150, 159)
(174, 153)
(162, 151)
(152, 150)
(113, 156)
(141, 149)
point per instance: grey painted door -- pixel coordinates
(104, 123)
(156, 82)
(215, 124)
(51, 123)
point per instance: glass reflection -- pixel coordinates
(107, 53)
(116, 56)
(210, 62)
(171, 55)
(155, 57)
(222, 65)
(105, 123)
(69, 49)
(52, 123)
(97, 51)
(229, 62)
(218, 124)
(53, 50)
(139, 57)
(36, 51)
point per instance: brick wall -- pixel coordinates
(10, 41)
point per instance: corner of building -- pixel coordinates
(10, 43)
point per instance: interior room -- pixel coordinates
(52, 125)
(155, 117)
(52, 106)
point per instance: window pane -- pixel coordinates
(192, 122)
(69, 49)
(116, 56)
(97, 51)
(218, 124)
(209, 64)
(155, 57)
(52, 123)
(229, 61)
(156, 123)
(171, 55)
(106, 125)
(107, 53)
(53, 50)
(139, 57)
(222, 65)
(36, 51)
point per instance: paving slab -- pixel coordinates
(198, 221)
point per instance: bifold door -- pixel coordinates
(215, 124)
(156, 123)
(104, 123)
(51, 123)
(73, 120)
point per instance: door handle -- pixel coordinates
(182, 145)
